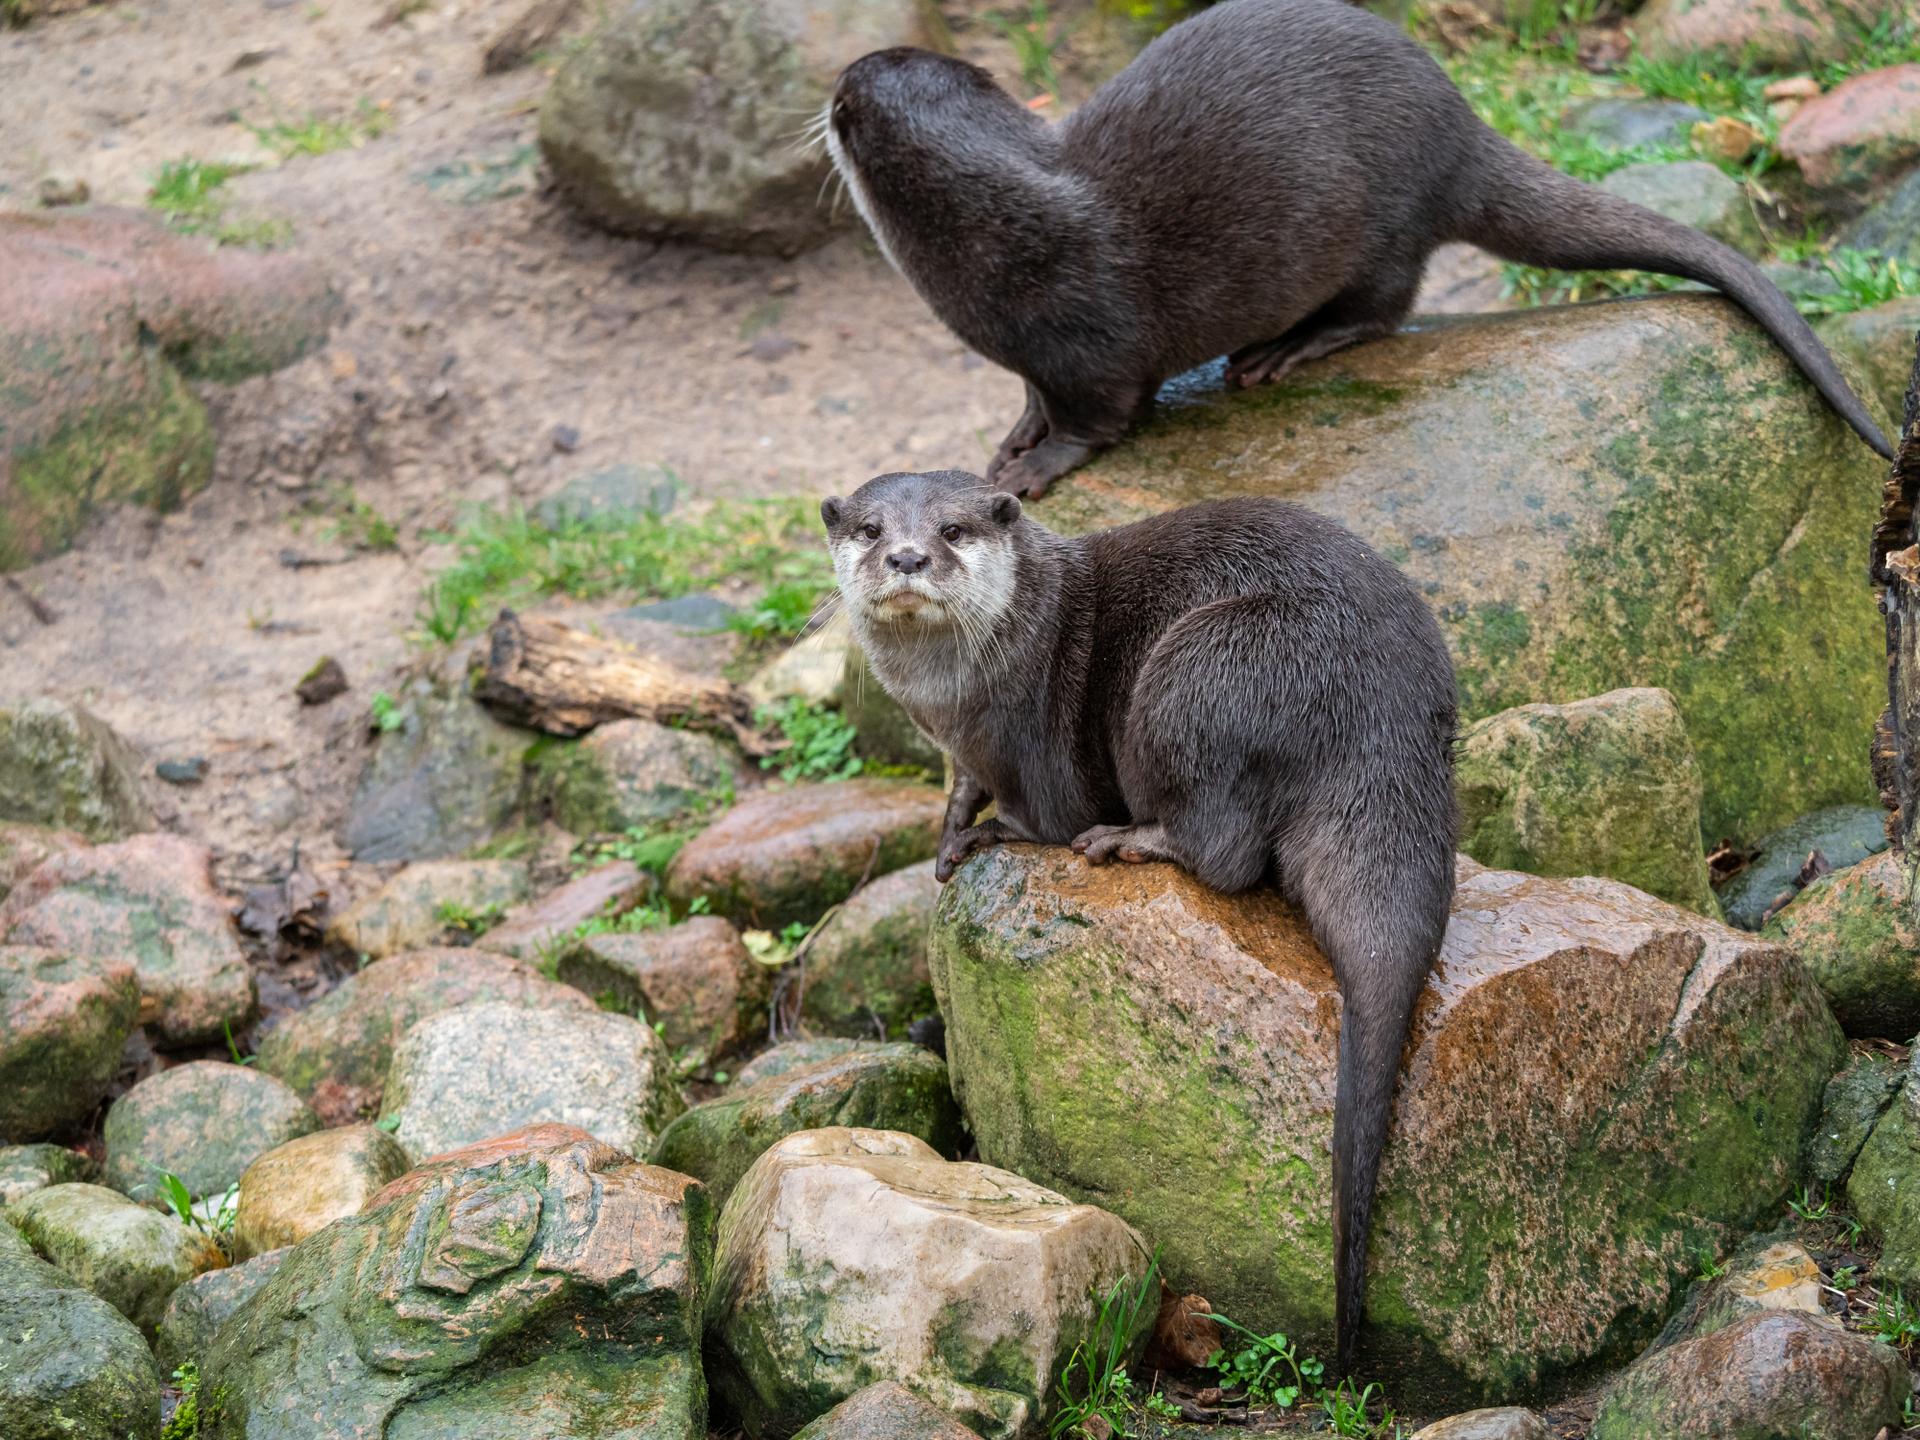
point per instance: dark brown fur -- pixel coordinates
(1265, 181)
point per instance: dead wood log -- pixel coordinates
(552, 677)
(1896, 574)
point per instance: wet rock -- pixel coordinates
(1854, 930)
(438, 786)
(204, 1122)
(886, 1411)
(1504, 1423)
(868, 966)
(1858, 138)
(480, 1070)
(1764, 1274)
(110, 313)
(788, 854)
(1845, 834)
(884, 734)
(1854, 1102)
(877, 1087)
(967, 1285)
(790, 1055)
(535, 931)
(130, 1256)
(26, 1168)
(611, 499)
(299, 1187)
(1764, 34)
(1628, 124)
(1878, 342)
(150, 899)
(1647, 1076)
(60, 766)
(695, 980)
(1695, 193)
(347, 1037)
(25, 848)
(538, 1284)
(71, 1366)
(201, 1306)
(1884, 1191)
(1773, 1374)
(1892, 226)
(421, 904)
(1606, 786)
(677, 121)
(63, 1021)
(634, 772)
(1512, 464)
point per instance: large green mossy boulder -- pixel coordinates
(71, 1366)
(1598, 1086)
(1618, 494)
(536, 1284)
(1884, 1191)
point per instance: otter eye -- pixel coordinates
(952, 533)
(870, 530)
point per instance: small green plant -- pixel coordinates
(233, 1046)
(1807, 1208)
(645, 847)
(313, 135)
(1845, 1278)
(471, 921)
(1034, 42)
(352, 521)
(1097, 1368)
(1893, 1320)
(781, 613)
(187, 190)
(184, 1423)
(819, 741)
(386, 713)
(1346, 1411)
(213, 1217)
(1268, 1367)
(1861, 280)
(388, 1123)
(1710, 1267)
(1159, 1407)
(1909, 1414)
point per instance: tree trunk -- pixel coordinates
(1896, 573)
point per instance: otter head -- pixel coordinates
(917, 555)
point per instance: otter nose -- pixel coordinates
(907, 562)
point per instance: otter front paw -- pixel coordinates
(1135, 844)
(955, 848)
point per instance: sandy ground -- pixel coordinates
(483, 323)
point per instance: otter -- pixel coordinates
(1241, 688)
(1265, 181)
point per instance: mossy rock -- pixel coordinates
(71, 1366)
(1627, 493)
(1856, 1098)
(64, 1020)
(1854, 929)
(1884, 1191)
(204, 1122)
(26, 1168)
(201, 1306)
(868, 965)
(61, 766)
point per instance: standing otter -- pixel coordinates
(1265, 181)
(1242, 688)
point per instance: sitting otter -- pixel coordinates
(1242, 688)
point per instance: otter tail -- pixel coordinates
(1523, 209)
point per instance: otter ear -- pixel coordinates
(1005, 509)
(832, 509)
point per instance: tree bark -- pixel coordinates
(1896, 574)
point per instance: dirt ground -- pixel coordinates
(486, 329)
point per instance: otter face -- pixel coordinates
(914, 553)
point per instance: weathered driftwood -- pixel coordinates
(550, 676)
(1896, 572)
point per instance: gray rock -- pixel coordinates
(63, 1021)
(609, 499)
(886, 1411)
(1630, 123)
(1892, 227)
(26, 1168)
(690, 612)
(695, 981)
(634, 772)
(678, 120)
(1845, 834)
(1878, 343)
(201, 1306)
(1695, 193)
(444, 782)
(1855, 1100)
(24, 848)
(1507, 1422)
(204, 1122)
(424, 903)
(482, 1070)
(63, 767)
(792, 1054)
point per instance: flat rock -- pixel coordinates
(539, 1284)
(1649, 1078)
(25, 847)
(1857, 139)
(1854, 929)
(695, 980)
(348, 1036)
(634, 772)
(899, 1088)
(868, 966)
(63, 767)
(886, 1411)
(442, 783)
(132, 1257)
(26, 1168)
(537, 931)
(1506, 1422)
(204, 1122)
(966, 1284)
(1844, 834)
(150, 899)
(201, 1306)
(1855, 1100)
(1629, 123)
(1771, 1374)
(1607, 786)
(677, 121)
(463, 1075)
(783, 855)
(1590, 497)
(308, 1183)
(63, 1021)
(1696, 193)
(1766, 34)
(71, 1366)
(417, 907)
